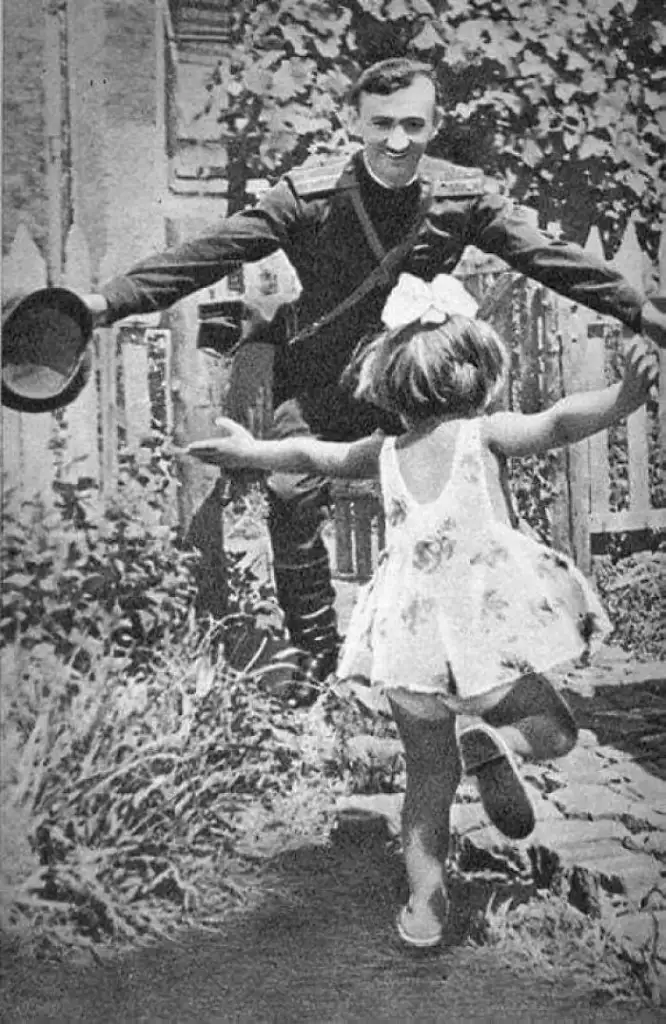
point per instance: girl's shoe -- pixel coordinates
(505, 799)
(417, 941)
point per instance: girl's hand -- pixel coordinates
(641, 371)
(233, 449)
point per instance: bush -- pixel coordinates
(136, 759)
(123, 799)
(633, 589)
(88, 578)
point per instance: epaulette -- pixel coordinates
(318, 180)
(451, 180)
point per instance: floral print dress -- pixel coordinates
(461, 604)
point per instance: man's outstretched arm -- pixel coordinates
(495, 225)
(162, 279)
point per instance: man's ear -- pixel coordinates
(437, 121)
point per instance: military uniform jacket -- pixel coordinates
(311, 214)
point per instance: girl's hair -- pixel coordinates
(420, 370)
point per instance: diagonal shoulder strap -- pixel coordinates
(383, 274)
(371, 236)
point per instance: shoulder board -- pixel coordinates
(452, 180)
(318, 180)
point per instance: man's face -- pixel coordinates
(396, 130)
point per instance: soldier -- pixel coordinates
(349, 228)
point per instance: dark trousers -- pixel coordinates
(298, 507)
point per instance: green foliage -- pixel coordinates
(570, 95)
(355, 745)
(122, 798)
(548, 934)
(534, 487)
(86, 577)
(139, 758)
(633, 589)
(561, 101)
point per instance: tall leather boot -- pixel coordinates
(306, 595)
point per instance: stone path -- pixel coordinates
(601, 811)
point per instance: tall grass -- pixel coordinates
(125, 800)
(548, 937)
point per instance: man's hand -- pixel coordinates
(98, 306)
(641, 370)
(233, 449)
(653, 320)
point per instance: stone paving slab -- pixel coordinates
(601, 811)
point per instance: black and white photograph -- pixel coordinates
(333, 527)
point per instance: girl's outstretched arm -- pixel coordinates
(236, 448)
(577, 416)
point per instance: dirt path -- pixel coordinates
(323, 952)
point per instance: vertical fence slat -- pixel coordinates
(596, 373)
(553, 388)
(106, 343)
(575, 378)
(639, 470)
(629, 261)
(598, 443)
(58, 133)
(530, 373)
(363, 537)
(27, 455)
(24, 267)
(106, 358)
(344, 561)
(81, 417)
(662, 354)
(137, 398)
(381, 527)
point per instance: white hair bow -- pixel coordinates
(413, 299)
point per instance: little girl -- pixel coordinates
(464, 613)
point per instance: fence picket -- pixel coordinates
(573, 327)
(24, 267)
(136, 395)
(662, 355)
(26, 438)
(639, 472)
(344, 557)
(106, 349)
(596, 378)
(550, 306)
(82, 416)
(629, 261)
(363, 516)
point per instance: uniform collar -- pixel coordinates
(382, 184)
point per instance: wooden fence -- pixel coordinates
(611, 483)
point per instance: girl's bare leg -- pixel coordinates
(427, 730)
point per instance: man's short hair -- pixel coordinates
(387, 76)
